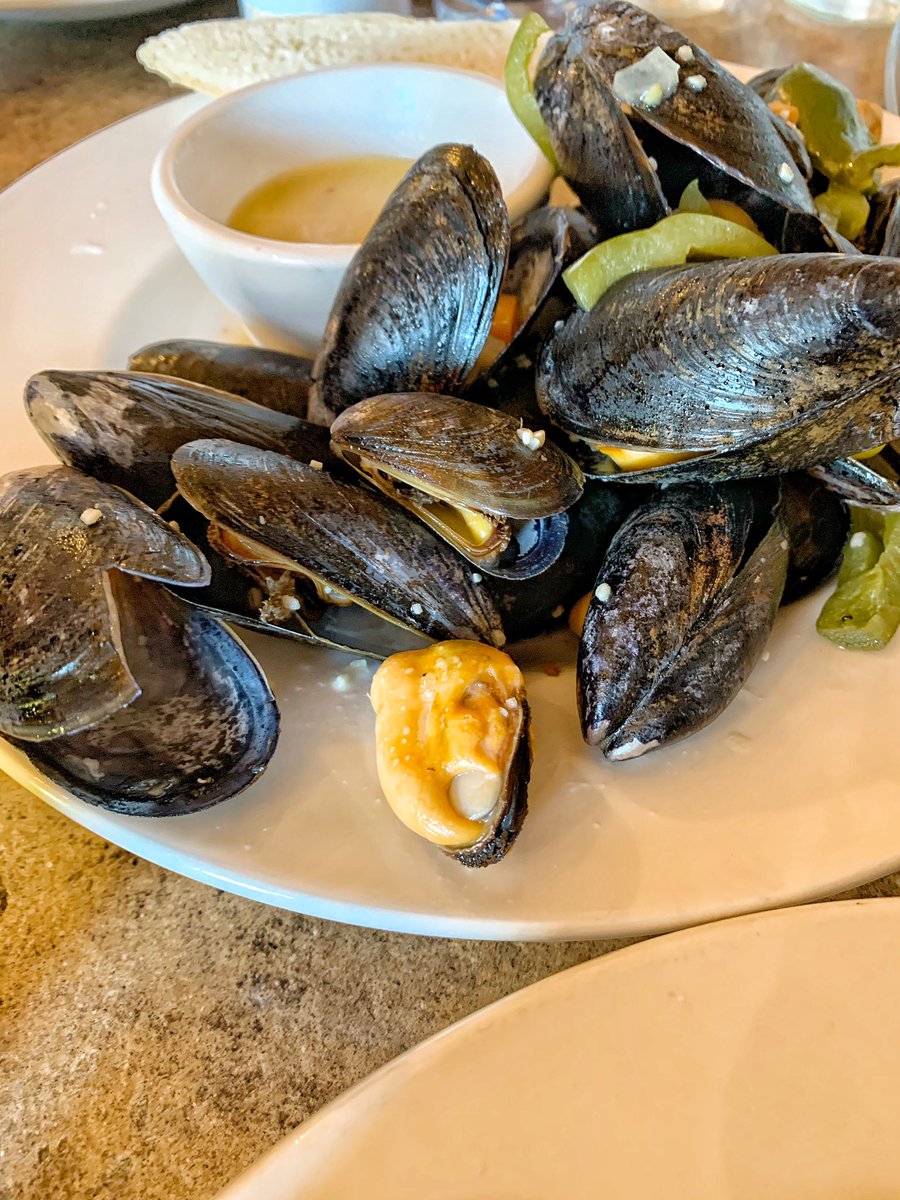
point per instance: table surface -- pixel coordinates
(157, 1035)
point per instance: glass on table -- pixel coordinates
(859, 12)
(892, 72)
(554, 11)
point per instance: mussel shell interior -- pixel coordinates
(63, 667)
(202, 728)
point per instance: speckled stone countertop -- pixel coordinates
(156, 1035)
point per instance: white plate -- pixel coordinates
(791, 794)
(755, 1059)
(79, 10)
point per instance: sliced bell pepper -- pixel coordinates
(519, 88)
(668, 243)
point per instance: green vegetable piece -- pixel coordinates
(693, 201)
(519, 88)
(844, 209)
(836, 136)
(668, 243)
(864, 612)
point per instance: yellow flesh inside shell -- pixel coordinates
(476, 533)
(627, 459)
(447, 722)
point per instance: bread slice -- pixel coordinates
(219, 56)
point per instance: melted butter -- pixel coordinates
(334, 202)
(444, 736)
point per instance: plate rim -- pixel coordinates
(243, 1186)
(590, 925)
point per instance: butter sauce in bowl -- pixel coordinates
(306, 134)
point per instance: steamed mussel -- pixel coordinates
(453, 744)
(113, 686)
(415, 307)
(682, 607)
(290, 524)
(479, 479)
(635, 110)
(735, 369)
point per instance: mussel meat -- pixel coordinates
(452, 736)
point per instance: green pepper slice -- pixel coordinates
(844, 209)
(519, 88)
(864, 611)
(836, 136)
(668, 243)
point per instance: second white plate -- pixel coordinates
(791, 794)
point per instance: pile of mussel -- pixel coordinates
(425, 494)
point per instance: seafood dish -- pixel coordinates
(654, 416)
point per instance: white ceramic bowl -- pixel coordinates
(284, 291)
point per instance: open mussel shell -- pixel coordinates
(755, 367)
(472, 474)
(722, 134)
(542, 244)
(882, 232)
(416, 304)
(598, 152)
(505, 822)
(269, 377)
(281, 516)
(123, 427)
(61, 534)
(682, 608)
(816, 523)
(872, 483)
(202, 728)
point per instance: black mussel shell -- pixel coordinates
(415, 306)
(62, 668)
(268, 377)
(872, 483)
(529, 607)
(723, 134)
(816, 523)
(595, 145)
(123, 428)
(682, 608)
(296, 517)
(759, 366)
(202, 727)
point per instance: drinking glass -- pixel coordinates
(861, 12)
(892, 72)
(554, 11)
